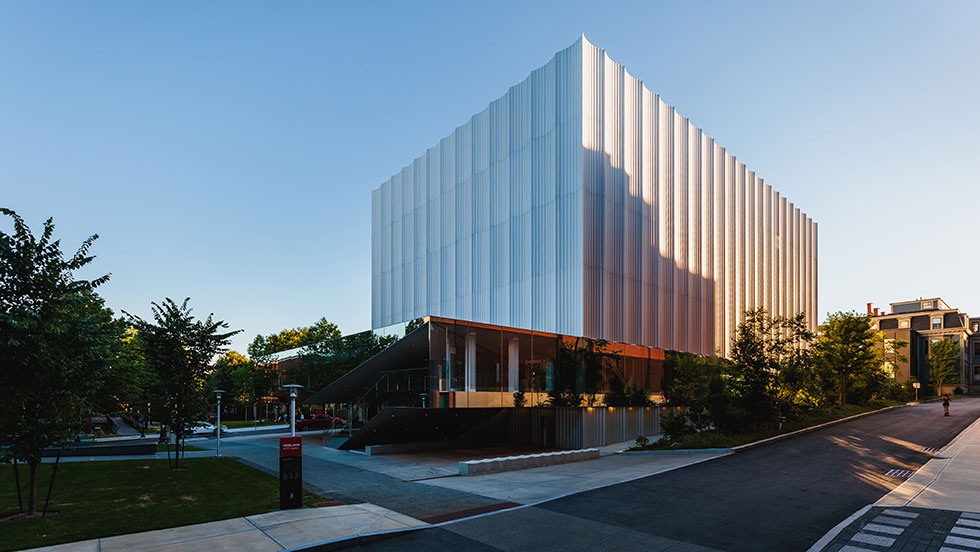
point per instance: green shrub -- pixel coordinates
(674, 425)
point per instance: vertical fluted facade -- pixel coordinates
(580, 203)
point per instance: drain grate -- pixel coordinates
(901, 474)
(930, 450)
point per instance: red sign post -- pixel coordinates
(290, 472)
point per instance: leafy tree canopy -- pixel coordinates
(944, 363)
(696, 384)
(56, 339)
(413, 325)
(234, 373)
(178, 348)
(847, 348)
(292, 338)
(762, 349)
(329, 359)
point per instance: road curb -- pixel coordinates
(680, 451)
(832, 534)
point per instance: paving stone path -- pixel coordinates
(891, 529)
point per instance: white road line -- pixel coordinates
(885, 520)
(876, 540)
(965, 532)
(878, 528)
(960, 541)
(901, 513)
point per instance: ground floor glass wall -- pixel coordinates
(482, 365)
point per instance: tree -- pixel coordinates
(890, 353)
(179, 349)
(126, 385)
(944, 363)
(55, 343)
(235, 373)
(846, 347)
(763, 347)
(327, 360)
(413, 325)
(696, 384)
(258, 348)
(293, 338)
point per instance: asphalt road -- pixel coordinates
(780, 496)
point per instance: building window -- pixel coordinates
(927, 304)
(976, 326)
(937, 322)
(976, 348)
(903, 323)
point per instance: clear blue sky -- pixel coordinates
(226, 150)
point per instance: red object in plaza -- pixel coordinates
(319, 421)
(290, 447)
(290, 472)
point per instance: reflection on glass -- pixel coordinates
(484, 365)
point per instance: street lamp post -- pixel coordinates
(217, 428)
(292, 407)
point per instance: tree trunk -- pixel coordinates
(843, 392)
(32, 489)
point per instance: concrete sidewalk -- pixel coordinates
(272, 531)
(936, 509)
(292, 529)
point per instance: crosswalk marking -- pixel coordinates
(960, 541)
(887, 520)
(893, 529)
(901, 513)
(876, 540)
(878, 528)
(965, 532)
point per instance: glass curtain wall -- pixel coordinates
(479, 365)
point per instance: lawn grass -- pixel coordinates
(101, 499)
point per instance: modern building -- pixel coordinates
(974, 351)
(580, 203)
(917, 324)
(550, 251)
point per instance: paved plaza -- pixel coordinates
(937, 509)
